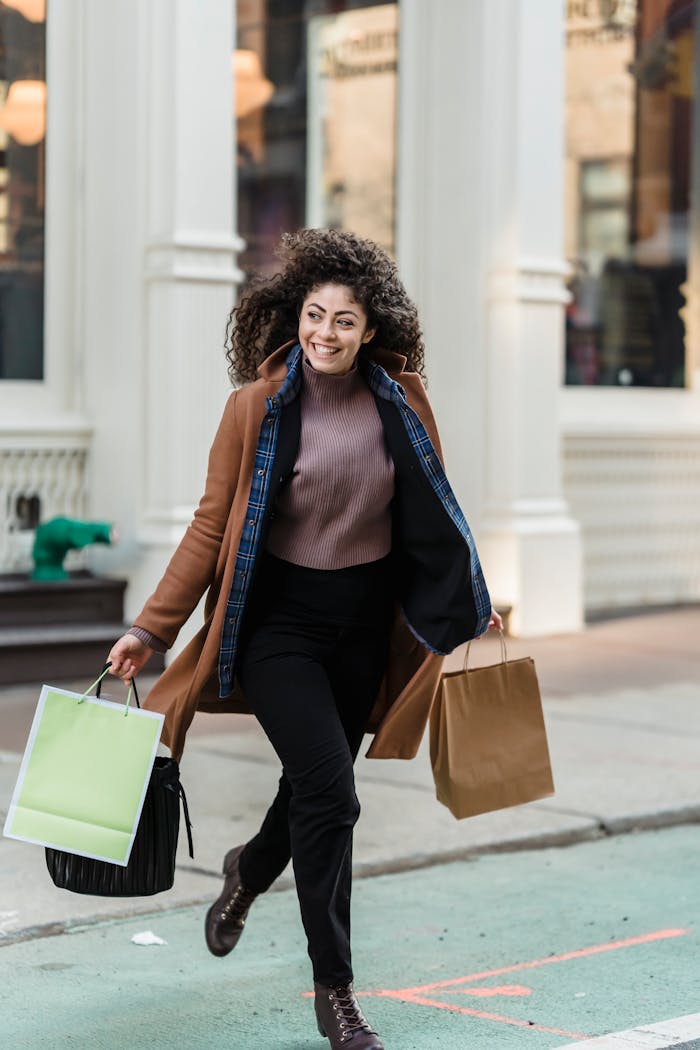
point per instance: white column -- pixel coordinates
(530, 543)
(481, 247)
(190, 273)
(161, 265)
(439, 200)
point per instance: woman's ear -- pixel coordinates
(369, 335)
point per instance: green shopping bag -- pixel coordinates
(84, 774)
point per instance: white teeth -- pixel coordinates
(325, 351)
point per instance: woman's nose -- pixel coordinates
(326, 331)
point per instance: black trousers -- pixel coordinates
(314, 649)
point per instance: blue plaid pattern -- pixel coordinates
(383, 386)
(257, 502)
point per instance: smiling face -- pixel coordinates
(332, 328)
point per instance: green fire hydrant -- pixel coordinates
(56, 537)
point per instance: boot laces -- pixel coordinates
(349, 1011)
(235, 909)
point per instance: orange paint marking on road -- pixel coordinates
(580, 953)
(484, 1015)
(498, 989)
(417, 994)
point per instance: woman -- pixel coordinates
(339, 568)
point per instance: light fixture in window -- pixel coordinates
(32, 10)
(252, 90)
(24, 114)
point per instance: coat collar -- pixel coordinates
(275, 367)
(284, 366)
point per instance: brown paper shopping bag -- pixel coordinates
(488, 745)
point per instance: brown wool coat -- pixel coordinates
(206, 557)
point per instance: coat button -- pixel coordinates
(251, 522)
(260, 473)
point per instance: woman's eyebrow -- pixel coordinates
(337, 312)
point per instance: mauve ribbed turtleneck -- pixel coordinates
(334, 510)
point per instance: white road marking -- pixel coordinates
(659, 1036)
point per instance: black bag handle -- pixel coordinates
(99, 684)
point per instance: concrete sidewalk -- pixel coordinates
(623, 715)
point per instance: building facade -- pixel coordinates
(180, 138)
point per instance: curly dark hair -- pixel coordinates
(268, 314)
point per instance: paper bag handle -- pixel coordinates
(504, 652)
(98, 683)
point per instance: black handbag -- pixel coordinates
(151, 867)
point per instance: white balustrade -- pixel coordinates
(54, 474)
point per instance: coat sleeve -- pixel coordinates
(192, 567)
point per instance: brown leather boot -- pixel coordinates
(225, 919)
(340, 1019)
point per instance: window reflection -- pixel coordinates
(22, 133)
(315, 116)
(629, 99)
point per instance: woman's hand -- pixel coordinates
(496, 620)
(128, 656)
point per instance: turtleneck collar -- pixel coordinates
(329, 388)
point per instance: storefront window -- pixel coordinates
(22, 133)
(629, 95)
(316, 120)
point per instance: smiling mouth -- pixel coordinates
(325, 351)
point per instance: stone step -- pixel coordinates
(52, 651)
(82, 598)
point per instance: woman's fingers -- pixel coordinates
(116, 659)
(125, 670)
(124, 659)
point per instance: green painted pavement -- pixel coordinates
(532, 949)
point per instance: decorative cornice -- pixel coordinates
(530, 280)
(193, 256)
(43, 434)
